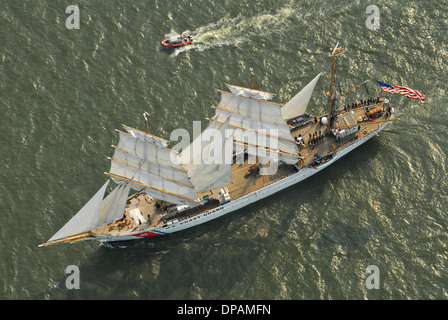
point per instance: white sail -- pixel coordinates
(86, 219)
(153, 192)
(263, 132)
(167, 172)
(146, 150)
(298, 104)
(109, 202)
(263, 139)
(238, 121)
(113, 205)
(150, 167)
(256, 122)
(152, 181)
(251, 108)
(207, 160)
(250, 93)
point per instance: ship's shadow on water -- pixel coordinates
(117, 270)
(169, 256)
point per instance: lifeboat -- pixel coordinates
(177, 41)
(375, 111)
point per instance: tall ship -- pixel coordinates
(263, 148)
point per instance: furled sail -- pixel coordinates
(151, 167)
(298, 104)
(207, 159)
(250, 93)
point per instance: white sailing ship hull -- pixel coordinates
(242, 202)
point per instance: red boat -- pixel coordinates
(177, 41)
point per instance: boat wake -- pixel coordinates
(232, 31)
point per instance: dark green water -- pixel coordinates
(63, 92)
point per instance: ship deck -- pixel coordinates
(143, 212)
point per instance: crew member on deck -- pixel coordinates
(299, 141)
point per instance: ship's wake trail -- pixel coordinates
(233, 31)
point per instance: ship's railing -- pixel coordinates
(278, 179)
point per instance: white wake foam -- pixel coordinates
(233, 31)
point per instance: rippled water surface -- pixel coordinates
(63, 92)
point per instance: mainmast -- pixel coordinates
(336, 52)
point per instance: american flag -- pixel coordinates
(410, 93)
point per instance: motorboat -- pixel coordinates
(177, 41)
